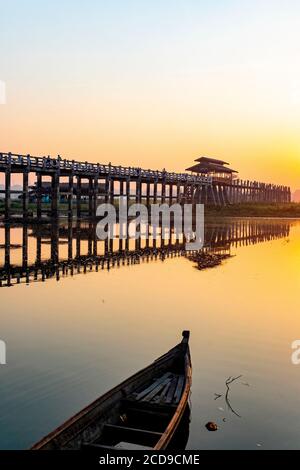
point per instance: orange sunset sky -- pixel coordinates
(155, 84)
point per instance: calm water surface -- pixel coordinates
(70, 341)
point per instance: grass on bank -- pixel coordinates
(255, 210)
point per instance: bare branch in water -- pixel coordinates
(227, 383)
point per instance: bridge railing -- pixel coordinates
(47, 163)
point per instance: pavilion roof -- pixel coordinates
(210, 168)
(211, 160)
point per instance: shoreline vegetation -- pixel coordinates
(290, 210)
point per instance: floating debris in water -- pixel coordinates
(258, 445)
(220, 408)
(217, 395)
(210, 426)
(246, 384)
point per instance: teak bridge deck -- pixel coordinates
(107, 182)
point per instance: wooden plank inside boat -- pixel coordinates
(159, 387)
(172, 390)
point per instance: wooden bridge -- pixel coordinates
(74, 248)
(107, 182)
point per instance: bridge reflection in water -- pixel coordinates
(31, 253)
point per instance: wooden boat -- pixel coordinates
(143, 412)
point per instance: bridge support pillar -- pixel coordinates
(70, 240)
(78, 197)
(91, 194)
(25, 195)
(38, 246)
(7, 193)
(39, 195)
(112, 192)
(171, 194)
(138, 192)
(178, 189)
(163, 192)
(25, 247)
(70, 196)
(95, 195)
(128, 190)
(55, 195)
(148, 194)
(106, 190)
(155, 192)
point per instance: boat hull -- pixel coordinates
(86, 428)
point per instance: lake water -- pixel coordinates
(68, 341)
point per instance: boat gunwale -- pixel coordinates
(174, 422)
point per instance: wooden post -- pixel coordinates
(205, 194)
(106, 190)
(7, 192)
(193, 193)
(250, 191)
(91, 194)
(121, 188)
(178, 192)
(39, 195)
(128, 189)
(155, 192)
(78, 196)
(54, 242)
(261, 192)
(233, 191)
(221, 195)
(55, 194)
(78, 240)
(7, 246)
(171, 194)
(95, 243)
(235, 195)
(229, 192)
(163, 191)
(25, 194)
(70, 196)
(148, 194)
(90, 238)
(95, 195)
(217, 195)
(70, 240)
(112, 192)
(25, 247)
(226, 195)
(138, 193)
(38, 246)
(212, 198)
